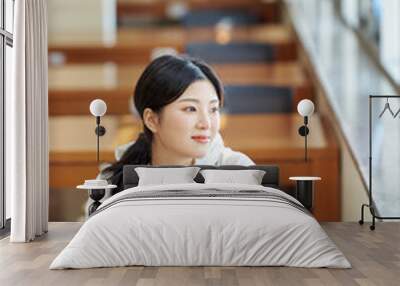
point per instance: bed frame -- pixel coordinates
(270, 179)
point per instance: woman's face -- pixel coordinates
(188, 125)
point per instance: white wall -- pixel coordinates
(353, 191)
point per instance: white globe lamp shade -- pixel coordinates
(305, 107)
(98, 107)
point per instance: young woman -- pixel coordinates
(178, 100)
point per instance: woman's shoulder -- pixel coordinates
(230, 157)
(221, 155)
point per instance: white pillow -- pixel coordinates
(248, 177)
(163, 176)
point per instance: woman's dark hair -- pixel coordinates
(163, 81)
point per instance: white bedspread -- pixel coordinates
(190, 230)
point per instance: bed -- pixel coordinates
(201, 224)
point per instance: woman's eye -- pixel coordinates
(190, 109)
(214, 109)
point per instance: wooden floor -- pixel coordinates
(375, 257)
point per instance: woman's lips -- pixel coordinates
(201, 139)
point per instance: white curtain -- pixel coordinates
(27, 124)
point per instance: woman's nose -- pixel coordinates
(204, 121)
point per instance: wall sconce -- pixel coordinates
(98, 108)
(305, 108)
(97, 188)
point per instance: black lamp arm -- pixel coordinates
(303, 131)
(100, 131)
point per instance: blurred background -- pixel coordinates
(270, 54)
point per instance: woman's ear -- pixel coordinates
(151, 120)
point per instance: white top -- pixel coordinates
(305, 178)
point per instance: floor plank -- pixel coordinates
(375, 257)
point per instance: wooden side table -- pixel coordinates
(305, 190)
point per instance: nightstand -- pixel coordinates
(97, 190)
(305, 190)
